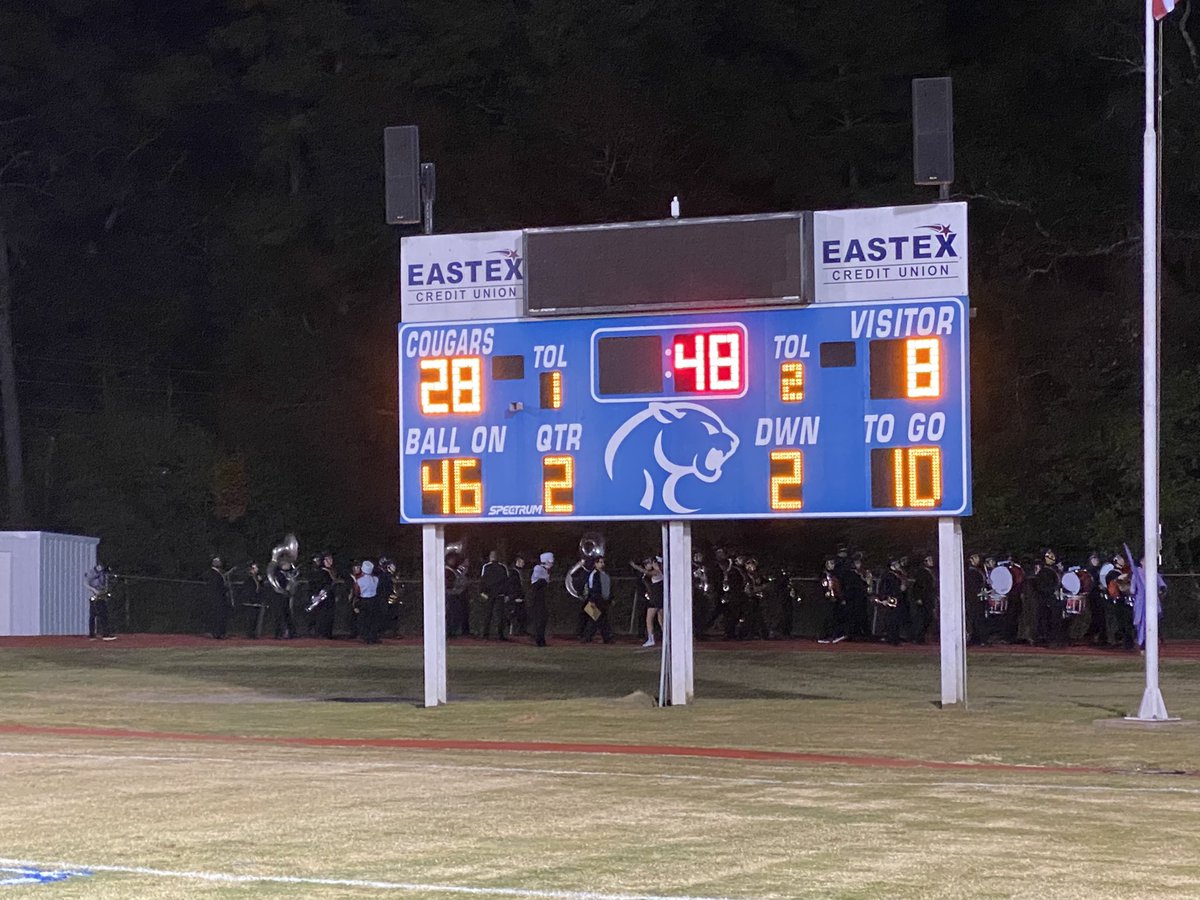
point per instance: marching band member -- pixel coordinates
(653, 582)
(368, 603)
(975, 596)
(1052, 625)
(220, 600)
(756, 590)
(1010, 622)
(599, 594)
(99, 583)
(732, 586)
(891, 587)
(856, 588)
(322, 609)
(493, 590)
(538, 585)
(834, 628)
(1119, 589)
(922, 598)
(282, 579)
(516, 595)
(352, 601)
(1097, 630)
(458, 608)
(385, 570)
(700, 594)
(254, 599)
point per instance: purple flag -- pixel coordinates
(1138, 576)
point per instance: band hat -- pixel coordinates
(368, 567)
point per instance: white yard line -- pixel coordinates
(233, 878)
(659, 776)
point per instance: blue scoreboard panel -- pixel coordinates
(825, 410)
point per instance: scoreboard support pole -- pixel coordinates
(677, 572)
(952, 618)
(433, 586)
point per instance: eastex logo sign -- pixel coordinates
(462, 276)
(890, 253)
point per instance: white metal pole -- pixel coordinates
(1152, 708)
(679, 603)
(952, 640)
(433, 588)
(665, 653)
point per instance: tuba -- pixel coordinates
(286, 551)
(591, 547)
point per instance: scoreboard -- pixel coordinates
(821, 411)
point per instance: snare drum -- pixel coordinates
(997, 604)
(1073, 604)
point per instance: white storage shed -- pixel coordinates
(41, 582)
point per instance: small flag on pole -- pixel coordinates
(1162, 8)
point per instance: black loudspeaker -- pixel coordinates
(402, 170)
(933, 131)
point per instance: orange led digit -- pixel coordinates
(451, 385)
(435, 486)
(924, 477)
(791, 382)
(924, 367)
(466, 397)
(550, 389)
(468, 487)
(558, 484)
(787, 479)
(435, 386)
(451, 486)
(898, 476)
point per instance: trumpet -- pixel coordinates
(829, 586)
(700, 578)
(317, 599)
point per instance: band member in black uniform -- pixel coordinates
(975, 596)
(599, 596)
(891, 588)
(782, 599)
(922, 596)
(518, 614)
(1010, 622)
(385, 571)
(458, 608)
(731, 595)
(856, 589)
(368, 603)
(538, 586)
(220, 601)
(322, 603)
(700, 593)
(99, 582)
(1052, 626)
(281, 579)
(493, 591)
(1119, 588)
(254, 600)
(833, 629)
(1097, 630)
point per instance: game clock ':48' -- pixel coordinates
(813, 406)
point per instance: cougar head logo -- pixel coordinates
(681, 438)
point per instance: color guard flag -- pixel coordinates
(1162, 8)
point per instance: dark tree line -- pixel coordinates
(197, 292)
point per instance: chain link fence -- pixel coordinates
(163, 605)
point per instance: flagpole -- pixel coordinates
(1153, 707)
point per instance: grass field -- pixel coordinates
(249, 770)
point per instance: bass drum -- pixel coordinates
(1077, 582)
(1000, 580)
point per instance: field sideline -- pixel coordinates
(155, 767)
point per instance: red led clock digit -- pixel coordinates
(708, 362)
